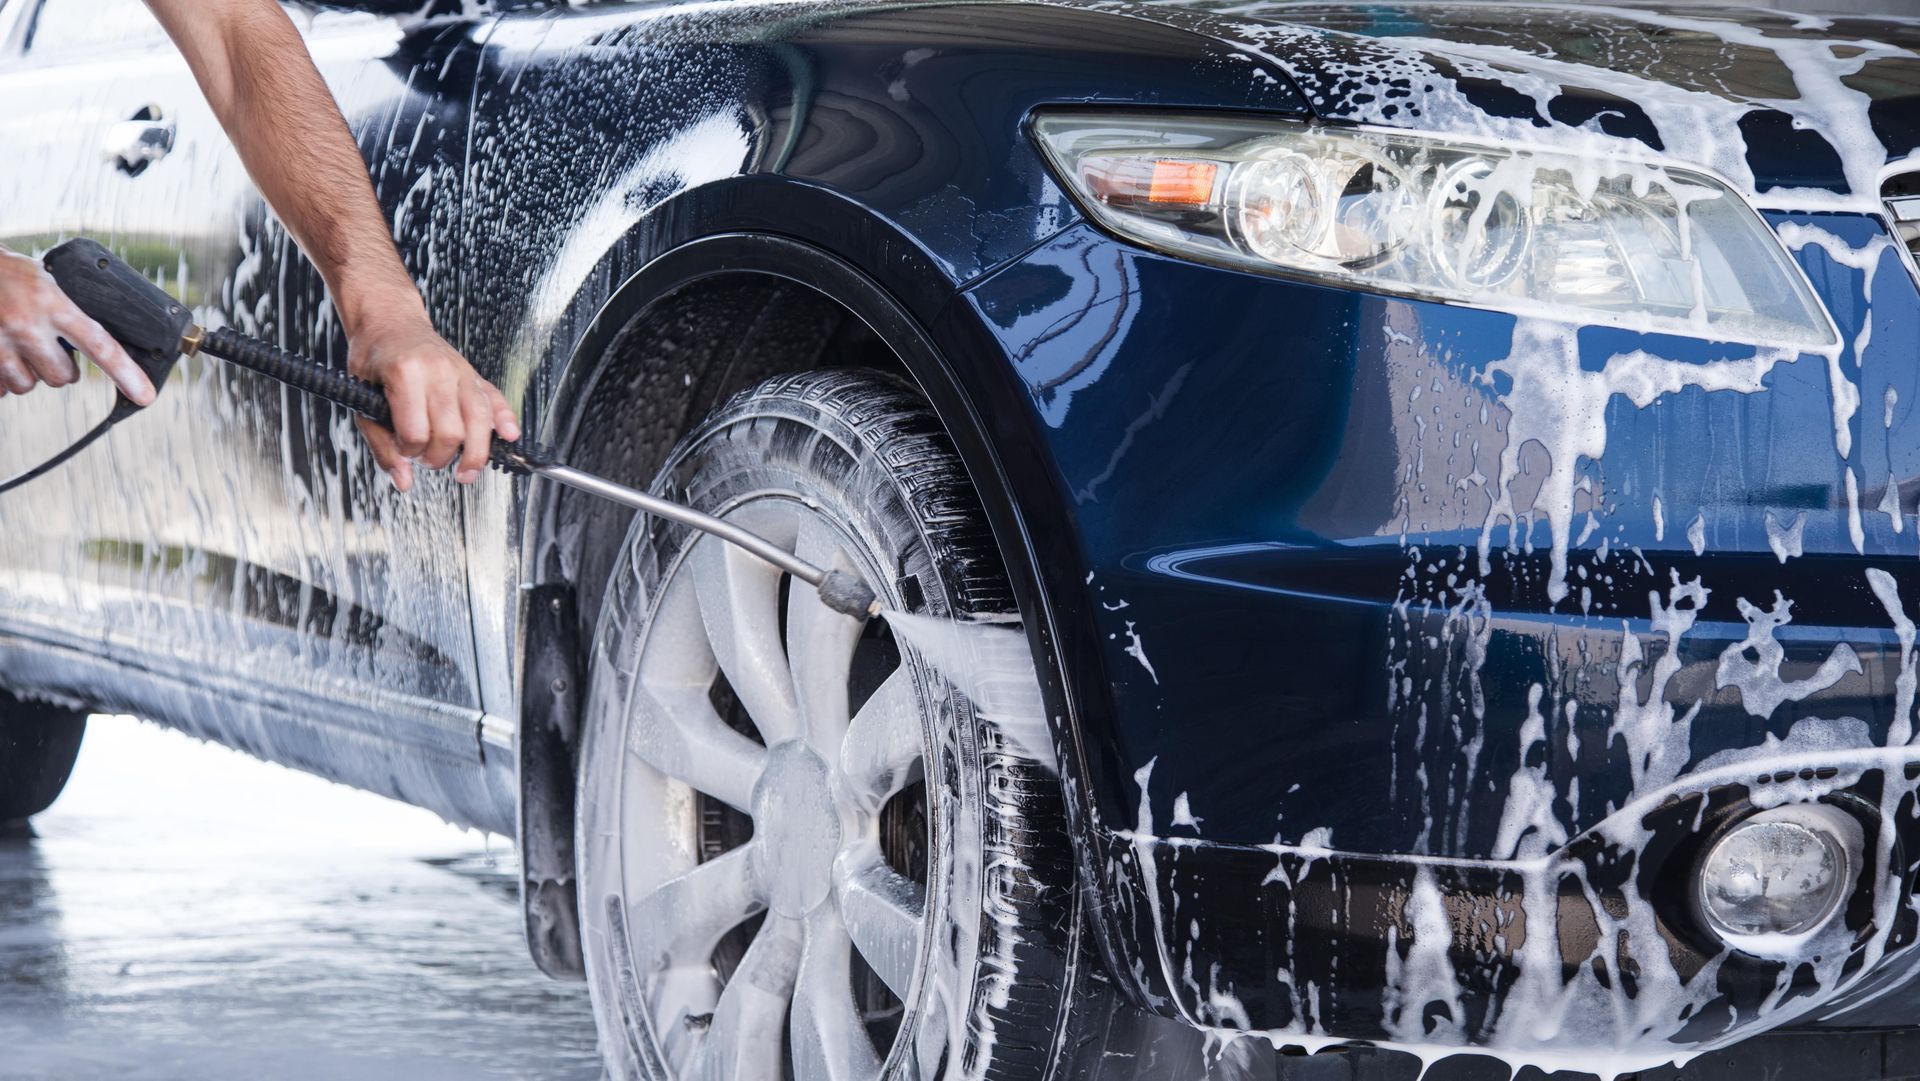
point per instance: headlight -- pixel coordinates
(1534, 232)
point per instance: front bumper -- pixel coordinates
(1332, 767)
(1590, 949)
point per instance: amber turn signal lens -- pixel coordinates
(1186, 183)
(1150, 182)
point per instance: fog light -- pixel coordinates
(1771, 881)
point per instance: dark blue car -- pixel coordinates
(1407, 511)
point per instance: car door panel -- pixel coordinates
(233, 548)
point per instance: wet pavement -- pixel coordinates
(188, 912)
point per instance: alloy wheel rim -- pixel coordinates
(814, 782)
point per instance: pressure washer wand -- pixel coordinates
(156, 331)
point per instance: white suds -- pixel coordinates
(1752, 665)
(1855, 532)
(1528, 819)
(1786, 541)
(1139, 652)
(1183, 814)
(1866, 260)
(1900, 731)
(1561, 405)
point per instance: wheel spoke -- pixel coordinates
(740, 606)
(820, 640)
(682, 921)
(884, 910)
(677, 731)
(744, 1039)
(830, 1043)
(884, 741)
(675, 727)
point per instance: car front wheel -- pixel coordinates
(804, 854)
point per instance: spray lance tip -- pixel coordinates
(844, 593)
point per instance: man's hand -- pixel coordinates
(440, 404)
(34, 316)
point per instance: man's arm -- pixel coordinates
(255, 72)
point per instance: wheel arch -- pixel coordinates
(918, 338)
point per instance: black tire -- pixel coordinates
(866, 451)
(38, 745)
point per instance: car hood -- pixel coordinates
(1797, 111)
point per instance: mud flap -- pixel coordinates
(549, 738)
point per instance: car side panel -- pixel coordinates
(233, 549)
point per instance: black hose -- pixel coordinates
(59, 459)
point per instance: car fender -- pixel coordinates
(973, 392)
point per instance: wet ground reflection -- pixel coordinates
(187, 912)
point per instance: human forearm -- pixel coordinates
(280, 116)
(255, 72)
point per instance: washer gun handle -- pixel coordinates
(156, 329)
(142, 317)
